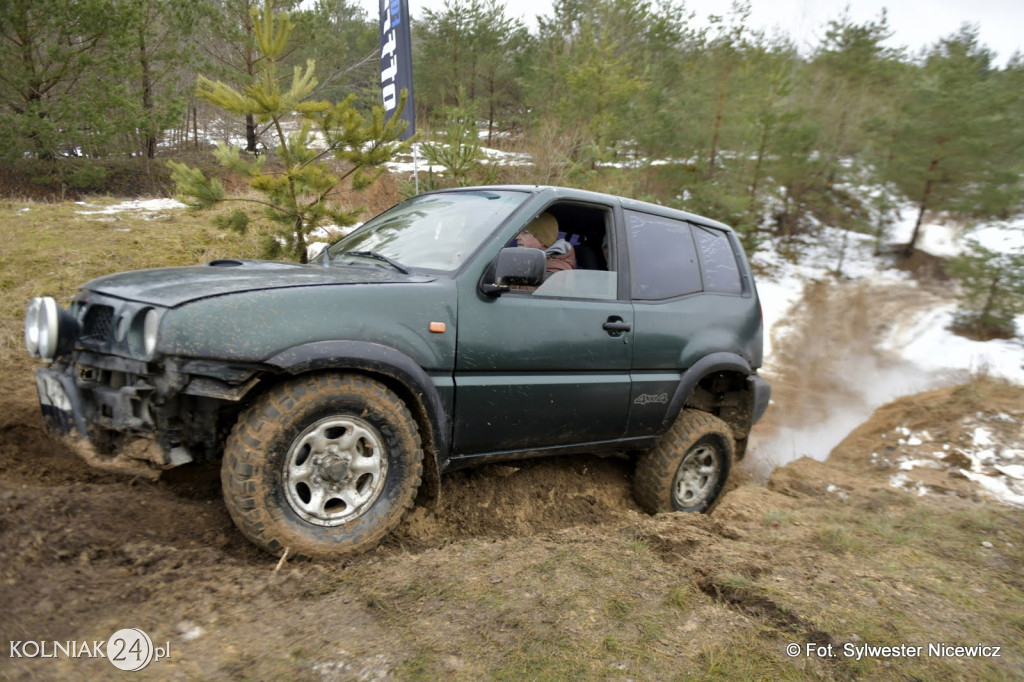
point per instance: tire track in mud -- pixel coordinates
(828, 369)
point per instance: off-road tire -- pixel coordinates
(708, 443)
(261, 447)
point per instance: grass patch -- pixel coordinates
(639, 547)
(52, 249)
(839, 540)
(745, 659)
(680, 598)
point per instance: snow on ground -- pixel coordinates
(947, 239)
(136, 205)
(997, 466)
(325, 235)
(416, 161)
(926, 340)
(929, 344)
(923, 341)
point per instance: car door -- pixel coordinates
(542, 369)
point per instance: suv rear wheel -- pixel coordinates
(688, 468)
(322, 466)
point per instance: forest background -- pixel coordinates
(628, 97)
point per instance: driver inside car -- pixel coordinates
(542, 234)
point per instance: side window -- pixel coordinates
(721, 274)
(574, 238)
(663, 257)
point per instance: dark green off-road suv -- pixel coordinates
(422, 342)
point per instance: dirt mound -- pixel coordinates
(533, 496)
(962, 441)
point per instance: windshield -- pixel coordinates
(431, 231)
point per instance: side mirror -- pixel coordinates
(515, 266)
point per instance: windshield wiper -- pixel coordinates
(381, 257)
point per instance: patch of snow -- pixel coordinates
(1014, 471)
(996, 466)
(911, 464)
(928, 343)
(946, 241)
(313, 249)
(325, 236)
(1002, 488)
(137, 205)
(901, 481)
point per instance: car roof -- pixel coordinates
(570, 193)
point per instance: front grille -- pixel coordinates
(98, 323)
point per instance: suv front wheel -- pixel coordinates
(688, 468)
(322, 466)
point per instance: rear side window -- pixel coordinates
(663, 256)
(721, 274)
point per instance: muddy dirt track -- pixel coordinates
(541, 570)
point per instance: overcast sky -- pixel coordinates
(916, 23)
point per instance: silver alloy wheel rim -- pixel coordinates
(697, 476)
(335, 470)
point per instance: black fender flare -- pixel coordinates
(373, 358)
(709, 364)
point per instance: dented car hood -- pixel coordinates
(171, 287)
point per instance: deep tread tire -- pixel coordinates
(693, 433)
(253, 469)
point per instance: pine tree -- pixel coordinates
(61, 89)
(467, 56)
(588, 70)
(460, 153)
(157, 31)
(991, 291)
(954, 137)
(343, 42)
(297, 182)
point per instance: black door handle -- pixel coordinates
(616, 326)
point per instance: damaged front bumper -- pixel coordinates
(123, 416)
(121, 405)
(68, 416)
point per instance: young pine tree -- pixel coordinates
(461, 152)
(992, 291)
(294, 184)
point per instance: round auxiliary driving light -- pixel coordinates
(48, 326)
(49, 329)
(32, 327)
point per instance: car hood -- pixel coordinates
(172, 287)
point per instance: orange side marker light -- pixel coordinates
(438, 327)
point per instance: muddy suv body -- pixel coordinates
(421, 343)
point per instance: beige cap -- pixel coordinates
(545, 228)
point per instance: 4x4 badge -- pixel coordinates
(648, 399)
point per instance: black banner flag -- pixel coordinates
(396, 60)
